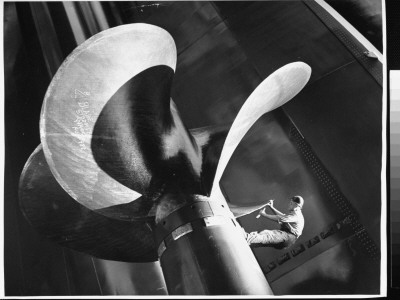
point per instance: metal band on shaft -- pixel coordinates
(189, 218)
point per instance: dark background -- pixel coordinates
(392, 34)
(326, 144)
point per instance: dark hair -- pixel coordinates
(296, 199)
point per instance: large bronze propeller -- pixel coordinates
(116, 159)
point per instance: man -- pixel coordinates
(292, 225)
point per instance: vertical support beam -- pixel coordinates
(47, 36)
(76, 26)
(98, 14)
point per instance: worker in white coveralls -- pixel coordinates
(292, 225)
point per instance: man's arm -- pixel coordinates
(271, 217)
(278, 215)
(275, 211)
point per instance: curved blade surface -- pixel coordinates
(54, 214)
(137, 139)
(78, 94)
(278, 88)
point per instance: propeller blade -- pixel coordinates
(54, 214)
(277, 89)
(139, 139)
(108, 123)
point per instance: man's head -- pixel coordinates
(296, 201)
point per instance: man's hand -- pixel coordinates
(270, 203)
(261, 212)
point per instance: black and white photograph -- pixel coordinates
(195, 148)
